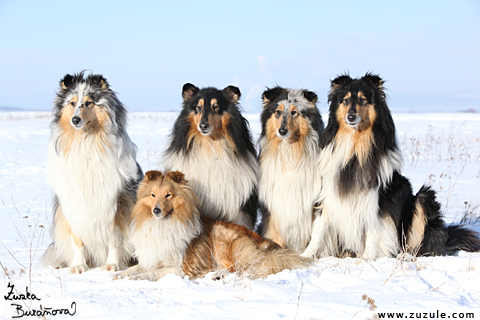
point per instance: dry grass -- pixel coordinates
(439, 145)
(470, 214)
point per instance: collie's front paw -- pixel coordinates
(117, 276)
(309, 254)
(77, 269)
(110, 267)
(142, 276)
(370, 255)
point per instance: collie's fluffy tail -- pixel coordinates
(52, 258)
(437, 238)
(261, 263)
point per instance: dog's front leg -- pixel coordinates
(78, 264)
(115, 245)
(317, 239)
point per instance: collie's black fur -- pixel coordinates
(212, 145)
(368, 205)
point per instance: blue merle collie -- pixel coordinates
(94, 177)
(211, 144)
(289, 185)
(367, 206)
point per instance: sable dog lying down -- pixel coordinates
(171, 235)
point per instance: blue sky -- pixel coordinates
(427, 51)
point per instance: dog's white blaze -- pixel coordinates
(221, 181)
(164, 241)
(353, 219)
(87, 181)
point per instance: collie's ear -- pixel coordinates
(188, 91)
(310, 96)
(374, 79)
(152, 175)
(99, 80)
(340, 81)
(233, 93)
(270, 94)
(66, 82)
(176, 176)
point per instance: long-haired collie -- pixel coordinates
(289, 186)
(368, 208)
(94, 177)
(211, 144)
(171, 234)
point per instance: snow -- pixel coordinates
(440, 149)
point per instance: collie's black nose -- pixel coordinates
(76, 120)
(203, 126)
(157, 211)
(282, 131)
(351, 117)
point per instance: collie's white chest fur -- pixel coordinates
(87, 180)
(289, 186)
(162, 242)
(354, 221)
(222, 181)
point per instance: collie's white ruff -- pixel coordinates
(353, 220)
(164, 240)
(221, 180)
(88, 181)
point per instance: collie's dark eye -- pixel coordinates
(278, 113)
(168, 195)
(153, 195)
(294, 113)
(72, 103)
(198, 109)
(363, 100)
(346, 101)
(88, 103)
(216, 107)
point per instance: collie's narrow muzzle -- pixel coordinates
(352, 118)
(157, 212)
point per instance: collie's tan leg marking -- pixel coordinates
(273, 233)
(78, 264)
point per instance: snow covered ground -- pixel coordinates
(440, 149)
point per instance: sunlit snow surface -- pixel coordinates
(440, 149)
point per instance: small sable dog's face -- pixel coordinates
(354, 99)
(81, 104)
(209, 107)
(163, 195)
(287, 112)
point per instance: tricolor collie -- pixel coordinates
(94, 177)
(171, 235)
(289, 186)
(211, 144)
(368, 206)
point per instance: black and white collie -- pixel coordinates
(94, 177)
(289, 186)
(368, 208)
(211, 144)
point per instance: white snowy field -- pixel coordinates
(440, 149)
